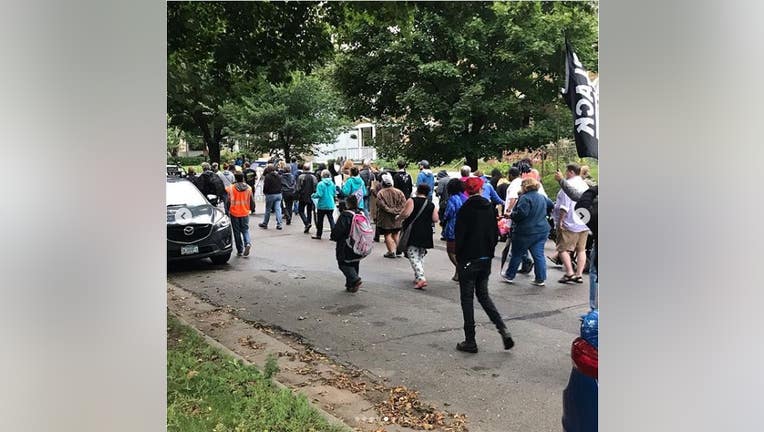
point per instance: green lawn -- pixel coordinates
(208, 391)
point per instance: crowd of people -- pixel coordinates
(475, 213)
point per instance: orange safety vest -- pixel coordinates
(239, 201)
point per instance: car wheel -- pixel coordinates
(220, 259)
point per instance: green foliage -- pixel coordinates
(208, 391)
(289, 118)
(218, 51)
(189, 161)
(462, 79)
(271, 366)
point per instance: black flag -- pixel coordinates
(583, 99)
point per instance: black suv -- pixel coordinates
(196, 228)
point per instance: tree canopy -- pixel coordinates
(462, 79)
(219, 51)
(289, 118)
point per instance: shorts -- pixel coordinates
(570, 241)
(384, 231)
(451, 246)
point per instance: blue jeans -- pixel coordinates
(593, 279)
(520, 245)
(240, 226)
(272, 202)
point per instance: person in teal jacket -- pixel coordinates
(352, 184)
(325, 193)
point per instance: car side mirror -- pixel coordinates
(213, 199)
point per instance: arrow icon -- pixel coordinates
(183, 216)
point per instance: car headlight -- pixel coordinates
(223, 222)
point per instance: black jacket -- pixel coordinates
(287, 185)
(210, 184)
(367, 176)
(476, 230)
(402, 182)
(272, 183)
(340, 234)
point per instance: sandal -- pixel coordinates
(578, 279)
(567, 278)
(389, 255)
(421, 284)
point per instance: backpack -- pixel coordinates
(361, 236)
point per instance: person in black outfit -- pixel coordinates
(209, 183)
(306, 185)
(347, 260)
(476, 238)
(402, 179)
(250, 177)
(420, 238)
(288, 185)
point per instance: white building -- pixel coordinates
(354, 143)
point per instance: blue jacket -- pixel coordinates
(325, 192)
(351, 185)
(425, 176)
(529, 214)
(489, 193)
(449, 216)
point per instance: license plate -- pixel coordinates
(189, 250)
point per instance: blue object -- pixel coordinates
(579, 399)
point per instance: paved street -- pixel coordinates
(405, 335)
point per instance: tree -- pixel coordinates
(218, 51)
(289, 118)
(462, 79)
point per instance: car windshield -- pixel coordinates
(183, 193)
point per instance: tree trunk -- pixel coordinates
(472, 161)
(212, 140)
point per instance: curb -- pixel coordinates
(333, 420)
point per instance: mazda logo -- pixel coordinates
(188, 230)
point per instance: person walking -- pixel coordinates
(272, 192)
(325, 193)
(390, 204)
(306, 186)
(288, 185)
(586, 200)
(347, 260)
(530, 231)
(210, 184)
(402, 179)
(476, 235)
(456, 199)
(240, 203)
(419, 215)
(441, 191)
(354, 186)
(367, 176)
(250, 178)
(425, 176)
(571, 231)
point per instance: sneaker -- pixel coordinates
(467, 347)
(307, 229)
(316, 237)
(389, 255)
(246, 250)
(238, 253)
(263, 226)
(278, 227)
(506, 279)
(537, 283)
